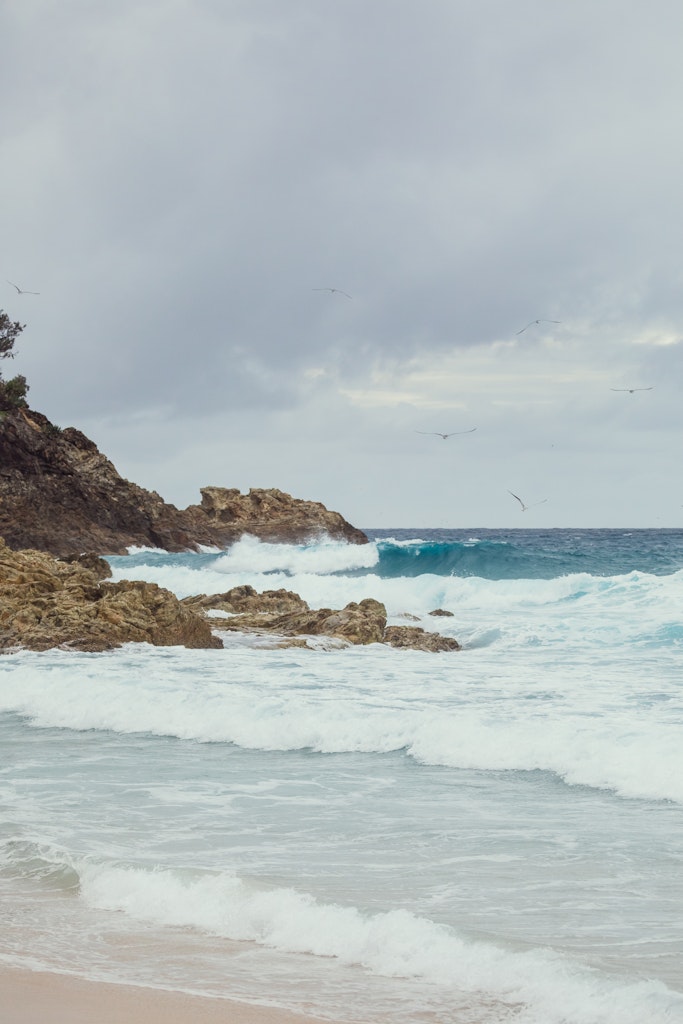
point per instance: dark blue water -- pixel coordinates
(487, 554)
(526, 554)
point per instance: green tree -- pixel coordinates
(9, 332)
(12, 392)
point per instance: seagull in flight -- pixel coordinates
(444, 436)
(21, 291)
(525, 507)
(631, 390)
(531, 324)
(333, 290)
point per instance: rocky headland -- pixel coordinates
(63, 506)
(59, 493)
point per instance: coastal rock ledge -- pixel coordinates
(284, 614)
(59, 493)
(48, 602)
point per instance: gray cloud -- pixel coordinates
(181, 176)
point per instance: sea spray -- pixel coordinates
(491, 834)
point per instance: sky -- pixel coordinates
(184, 182)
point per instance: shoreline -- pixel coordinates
(33, 997)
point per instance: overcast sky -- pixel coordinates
(180, 178)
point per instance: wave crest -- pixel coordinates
(249, 554)
(395, 944)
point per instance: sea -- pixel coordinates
(369, 834)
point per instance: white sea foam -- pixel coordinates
(587, 730)
(327, 556)
(590, 609)
(543, 986)
(408, 807)
(135, 549)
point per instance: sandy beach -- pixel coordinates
(33, 997)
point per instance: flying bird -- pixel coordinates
(538, 322)
(631, 390)
(333, 290)
(444, 436)
(525, 507)
(21, 291)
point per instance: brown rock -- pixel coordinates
(418, 639)
(47, 602)
(362, 623)
(97, 565)
(58, 493)
(245, 600)
(442, 611)
(272, 515)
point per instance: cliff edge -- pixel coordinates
(60, 494)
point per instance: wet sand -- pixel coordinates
(35, 997)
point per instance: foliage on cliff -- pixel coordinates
(13, 391)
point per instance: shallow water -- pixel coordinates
(370, 833)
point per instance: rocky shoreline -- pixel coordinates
(70, 603)
(60, 497)
(287, 616)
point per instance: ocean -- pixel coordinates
(369, 834)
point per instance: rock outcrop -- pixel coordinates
(69, 602)
(417, 639)
(283, 613)
(246, 601)
(357, 623)
(59, 496)
(48, 602)
(58, 493)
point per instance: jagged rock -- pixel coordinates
(245, 600)
(357, 623)
(89, 560)
(418, 639)
(47, 602)
(361, 623)
(271, 513)
(58, 493)
(441, 611)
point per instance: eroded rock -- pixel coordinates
(59, 493)
(418, 639)
(271, 514)
(358, 623)
(47, 602)
(364, 622)
(245, 600)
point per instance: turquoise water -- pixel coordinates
(484, 835)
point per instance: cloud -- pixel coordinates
(182, 175)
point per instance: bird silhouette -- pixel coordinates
(531, 324)
(21, 291)
(631, 390)
(525, 507)
(436, 433)
(333, 290)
